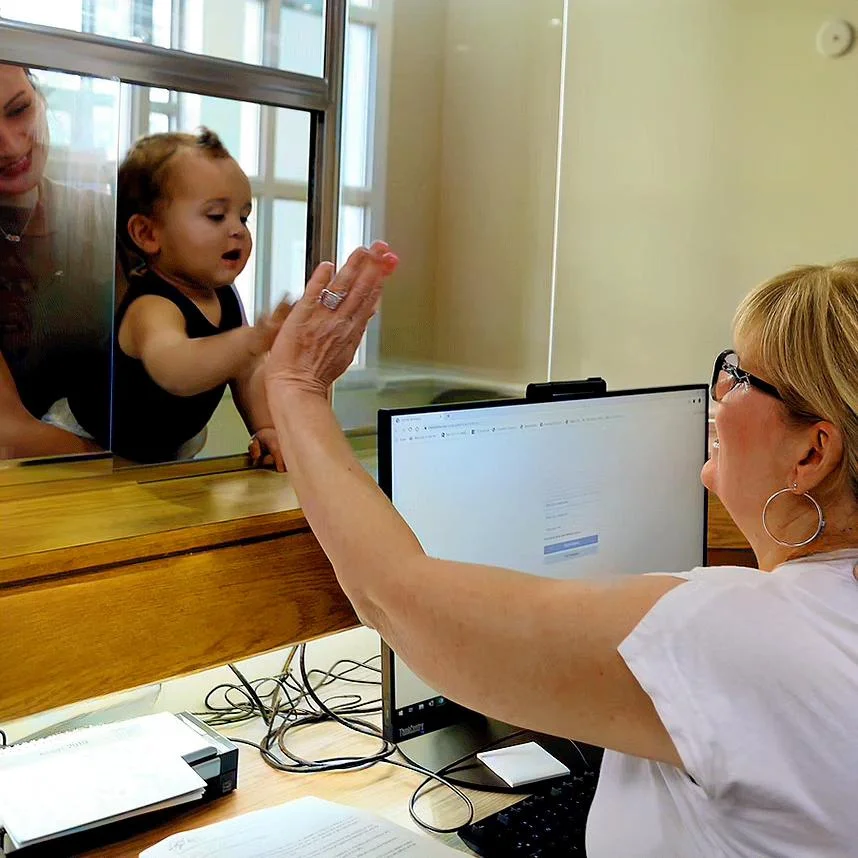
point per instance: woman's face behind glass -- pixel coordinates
(23, 137)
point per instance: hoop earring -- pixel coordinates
(819, 527)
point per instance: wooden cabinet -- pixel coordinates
(727, 545)
(120, 581)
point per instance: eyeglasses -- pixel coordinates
(727, 374)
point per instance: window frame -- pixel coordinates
(147, 65)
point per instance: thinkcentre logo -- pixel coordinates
(405, 732)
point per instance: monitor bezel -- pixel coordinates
(422, 719)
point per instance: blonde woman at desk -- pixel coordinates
(727, 698)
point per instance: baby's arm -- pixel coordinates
(23, 435)
(153, 331)
(248, 393)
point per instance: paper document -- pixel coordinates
(68, 789)
(163, 731)
(306, 828)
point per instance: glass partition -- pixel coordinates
(283, 140)
(435, 158)
(459, 113)
(58, 152)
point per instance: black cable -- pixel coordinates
(248, 700)
(304, 706)
(445, 770)
(3, 739)
(253, 695)
(244, 709)
(343, 709)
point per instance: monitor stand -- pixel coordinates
(452, 750)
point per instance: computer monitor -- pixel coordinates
(583, 487)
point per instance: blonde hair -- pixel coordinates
(143, 178)
(802, 329)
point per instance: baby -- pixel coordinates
(181, 334)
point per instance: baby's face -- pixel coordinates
(202, 227)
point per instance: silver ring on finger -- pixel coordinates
(330, 299)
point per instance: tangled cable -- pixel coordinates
(287, 702)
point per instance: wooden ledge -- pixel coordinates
(55, 529)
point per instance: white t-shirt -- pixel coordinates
(755, 677)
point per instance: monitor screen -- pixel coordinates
(575, 488)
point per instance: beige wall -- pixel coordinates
(413, 164)
(707, 145)
(478, 80)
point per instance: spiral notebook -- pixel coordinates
(74, 781)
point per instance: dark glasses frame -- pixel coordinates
(739, 375)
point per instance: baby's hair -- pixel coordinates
(143, 182)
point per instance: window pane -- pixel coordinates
(302, 37)
(162, 23)
(356, 104)
(288, 251)
(158, 123)
(254, 32)
(236, 122)
(230, 29)
(352, 235)
(112, 18)
(293, 145)
(67, 14)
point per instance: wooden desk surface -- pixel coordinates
(382, 789)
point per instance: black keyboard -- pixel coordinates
(549, 823)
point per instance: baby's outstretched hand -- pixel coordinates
(264, 449)
(266, 328)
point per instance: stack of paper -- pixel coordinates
(306, 828)
(79, 780)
